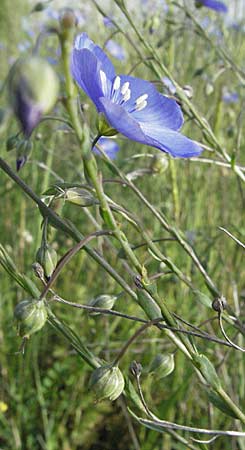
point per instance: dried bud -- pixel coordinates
(80, 197)
(68, 19)
(219, 304)
(107, 382)
(33, 90)
(162, 365)
(159, 164)
(47, 257)
(24, 150)
(31, 316)
(103, 301)
(136, 369)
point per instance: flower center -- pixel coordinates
(122, 94)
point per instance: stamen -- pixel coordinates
(141, 99)
(127, 95)
(125, 87)
(116, 83)
(103, 81)
(141, 106)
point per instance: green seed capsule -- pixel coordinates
(107, 382)
(47, 257)
(80, 197)
(159, 164)
(103, 301)
(162, 365)
(31, 316)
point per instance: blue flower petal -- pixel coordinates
(110, 147)
(82, 41)
(86, 69)
(160, 137)
(160, 110)
(214, 4)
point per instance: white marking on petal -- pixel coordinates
(116, 83)
(141, 99)
(103, 82)
(125, 87)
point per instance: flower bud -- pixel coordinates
(12, 142)
(159, 164)
(80, 197)
(33, 90)
(162, 365)
(107, 382)
(47, 257)
(24, 150)
(103, 301)
(31, 316)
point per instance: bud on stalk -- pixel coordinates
(33, 90)
(30, 316)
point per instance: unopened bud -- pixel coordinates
(33, 90)
(80, 197)
(24, 150)
(159, 164)
(162, 365)
(31, 316)
(47, 257)
(107, 382)
(103, 301)
(12, 142)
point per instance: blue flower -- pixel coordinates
(109, 146)
(115, 50)
(213, 4)
(230, 97)
(130, 105)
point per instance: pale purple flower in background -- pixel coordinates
(169, 85)
(230, 97)
(115, 50)
(109, 146)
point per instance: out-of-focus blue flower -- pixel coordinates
(213, 4)
(230, 97)
(115, 50)
(130, 105)
(168, 83)
(107, 22)
(109, 146)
